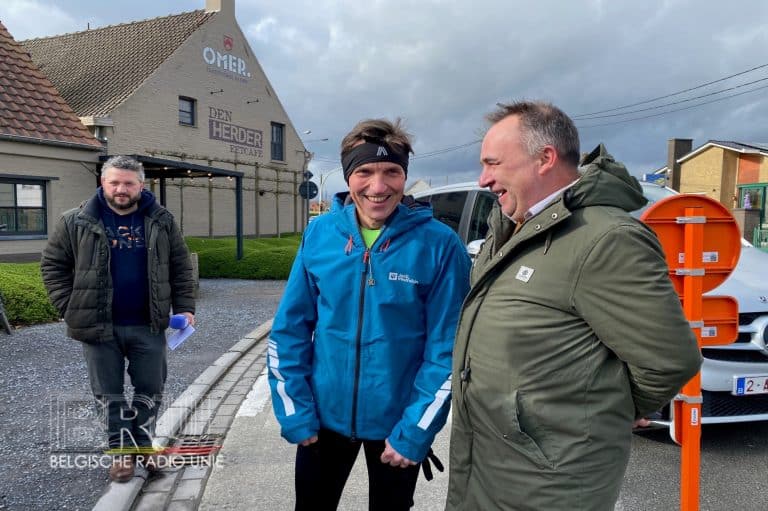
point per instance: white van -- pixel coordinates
(465, 207)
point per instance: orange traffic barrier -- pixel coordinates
(702, 244)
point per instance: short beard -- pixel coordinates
(125, 206)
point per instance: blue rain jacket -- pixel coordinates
(361, 342)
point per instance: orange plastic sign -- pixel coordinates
(702, 244)
(721, 320)
(722, 238)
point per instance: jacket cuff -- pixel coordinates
(299, 433)
(412, 451)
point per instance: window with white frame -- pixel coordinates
(187, 115)
(22, 207)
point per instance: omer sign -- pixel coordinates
(225, 62)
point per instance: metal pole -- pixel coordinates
(210, 208)
(324, 180)
(277, 202)
(256, 195)
(239, 215)
(295, 202)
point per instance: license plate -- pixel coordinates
(748, 385)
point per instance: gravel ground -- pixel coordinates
(45, 399)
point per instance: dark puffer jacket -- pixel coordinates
(75, 268)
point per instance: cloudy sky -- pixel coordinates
(442, 64)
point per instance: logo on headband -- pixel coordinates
(382, 151)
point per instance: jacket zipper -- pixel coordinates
(358, 342)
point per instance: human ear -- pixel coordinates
(547, 158)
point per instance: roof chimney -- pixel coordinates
(225, 6)
(676, 149)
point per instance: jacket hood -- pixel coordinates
(410, 213)
(92, 207)
(605, 182)
(146, 201)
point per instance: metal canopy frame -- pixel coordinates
(162, 169)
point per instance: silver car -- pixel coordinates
(465, 207)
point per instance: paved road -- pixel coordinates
(256, 469)
(38, 362)
(38, 366)
(734, 470)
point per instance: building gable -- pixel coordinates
(233, 108)
(96, 70)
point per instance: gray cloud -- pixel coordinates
(442, 65)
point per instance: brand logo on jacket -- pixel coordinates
(524, 273)
(402, 277)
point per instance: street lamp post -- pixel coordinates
(323, 180)
(308, 155)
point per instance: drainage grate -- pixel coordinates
(193, 450)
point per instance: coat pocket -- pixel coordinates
(515, 437)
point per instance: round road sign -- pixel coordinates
(308, 190)
(722, 238)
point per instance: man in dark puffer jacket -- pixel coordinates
(114, 268)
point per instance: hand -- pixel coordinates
(393, 457)
(308, 441)
(190, 318)
(641, 423)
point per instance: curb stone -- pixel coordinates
(121, 496)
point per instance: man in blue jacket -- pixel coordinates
(360, 349)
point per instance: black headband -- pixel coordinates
(368, 152)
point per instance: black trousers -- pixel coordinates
(322, 470)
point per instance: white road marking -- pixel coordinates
(256, 398)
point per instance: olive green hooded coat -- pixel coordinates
(571, 330)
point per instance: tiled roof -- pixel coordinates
(751, 148)
(740, 146)
(98, 69)
(30, 106)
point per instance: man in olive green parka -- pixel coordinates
(571, 330)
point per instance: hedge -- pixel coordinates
(24, 296)
(263, 258)
(26, 301)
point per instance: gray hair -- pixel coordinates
(542, 124)
(123, 163)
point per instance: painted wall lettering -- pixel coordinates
(226, 132)
(219, 113)
(242, 140)
(225, 61)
